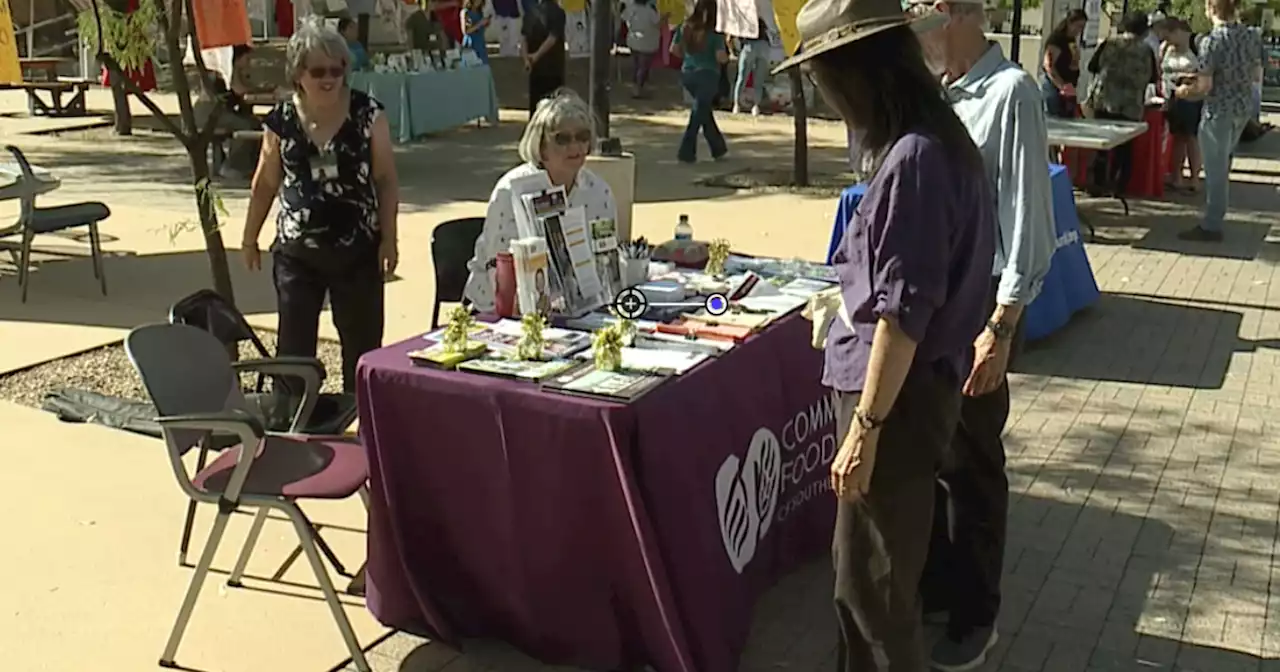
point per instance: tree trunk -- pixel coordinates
(124, 116)
(800, 112)
(219, 268)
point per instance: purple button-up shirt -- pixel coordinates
(919, 251)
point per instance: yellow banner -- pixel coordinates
(10, 71)
(785, 12)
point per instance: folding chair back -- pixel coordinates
(208, 310)
(453, 243)
(186, 372)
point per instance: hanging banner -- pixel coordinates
(222, 23)
(737, 18)
(10, 70)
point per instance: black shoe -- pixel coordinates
(1201, 235)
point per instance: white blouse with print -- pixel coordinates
(590, 192)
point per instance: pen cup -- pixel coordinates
(637, 272)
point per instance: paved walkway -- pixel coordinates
(1142, 531)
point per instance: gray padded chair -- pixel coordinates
(35, 221)
(196, 390)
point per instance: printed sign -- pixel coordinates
(10, 70)
(781, 472)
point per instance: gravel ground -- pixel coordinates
(107, 370)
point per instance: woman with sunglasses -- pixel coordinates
(327, 153)
(559, 136)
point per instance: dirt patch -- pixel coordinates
(107, 370)
(775, 181)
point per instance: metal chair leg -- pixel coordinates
(193, 591)
(24, 266)
(357, 585)
(307, 536)
(185, 544)
(327, 550)
(255, 531)
(95, 248)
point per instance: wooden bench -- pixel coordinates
(56, 106)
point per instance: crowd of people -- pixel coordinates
(952, 241)
(1210, 86)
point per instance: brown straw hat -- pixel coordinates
(830, 24)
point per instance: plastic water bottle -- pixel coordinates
(683, 230)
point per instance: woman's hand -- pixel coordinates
(252, 256)
(854, 462)
(388, 257)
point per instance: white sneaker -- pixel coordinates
(755, 111)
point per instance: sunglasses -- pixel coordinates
(332, 72)
(565, 138)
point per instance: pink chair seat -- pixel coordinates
(303, 466)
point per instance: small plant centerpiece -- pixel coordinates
(529, 347)
(717, 254)
(459, 328)
(606, 347)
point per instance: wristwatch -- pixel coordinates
(866, 420)
(1001, 330)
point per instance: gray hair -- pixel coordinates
(563, 108)
(313, 36)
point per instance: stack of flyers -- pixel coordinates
(604, 243)
(534, 279)
(569, 247)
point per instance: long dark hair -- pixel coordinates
(702, 20)
(1073, 16)
(883, 89)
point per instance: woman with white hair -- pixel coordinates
(557, 140)
(327, 153)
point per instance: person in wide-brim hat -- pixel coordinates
(915, 269)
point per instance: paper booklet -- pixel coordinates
(569, 247)
(604, 243)
(621, 386)
(518, 369)
(520, 187)
(534, 279)
(536, 206)
(657, 360)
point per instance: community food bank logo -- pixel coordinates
(775, 468)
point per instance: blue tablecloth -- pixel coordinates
(421, 103)
(1069, 285)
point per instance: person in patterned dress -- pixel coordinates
(327, 153)
(1230, 65)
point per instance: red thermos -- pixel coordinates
(504, 286)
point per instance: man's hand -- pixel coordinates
(990, 359)
(854, 462)
(528, 63)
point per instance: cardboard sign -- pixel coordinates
(10, 70)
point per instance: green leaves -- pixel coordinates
(129, 38)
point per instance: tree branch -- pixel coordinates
(113, 68)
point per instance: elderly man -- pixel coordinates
(1001, 106)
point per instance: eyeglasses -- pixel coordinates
(332, 72)
(565, 138)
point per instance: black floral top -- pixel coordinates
(327, 197)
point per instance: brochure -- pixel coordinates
(577, 239)
(623, 386)
(776, 305)
(436, 355)
(656, 360)
(804, 287)
(719, 332)
(793, 268)
(518, 369)
(604, 244)
(687, 343)
(528, 185)
(533, 275)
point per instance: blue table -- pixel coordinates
(421, 103)
(1069, 285)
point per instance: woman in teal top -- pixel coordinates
(703, 51)
(473, 24)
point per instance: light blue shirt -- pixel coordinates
(1001, 106)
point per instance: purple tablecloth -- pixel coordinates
(591, 533)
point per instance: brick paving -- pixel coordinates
(1143, 464)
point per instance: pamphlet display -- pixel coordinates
(533, 275)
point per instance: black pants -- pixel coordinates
(542, 85)
(879, 546)
(1112, 169)
(353, 282)
(966, 553)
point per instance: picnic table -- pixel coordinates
(46, 80)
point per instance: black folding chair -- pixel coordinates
(453, 243)
(288, 407)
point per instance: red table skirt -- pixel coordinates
(1150, 160)
(144, 79)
